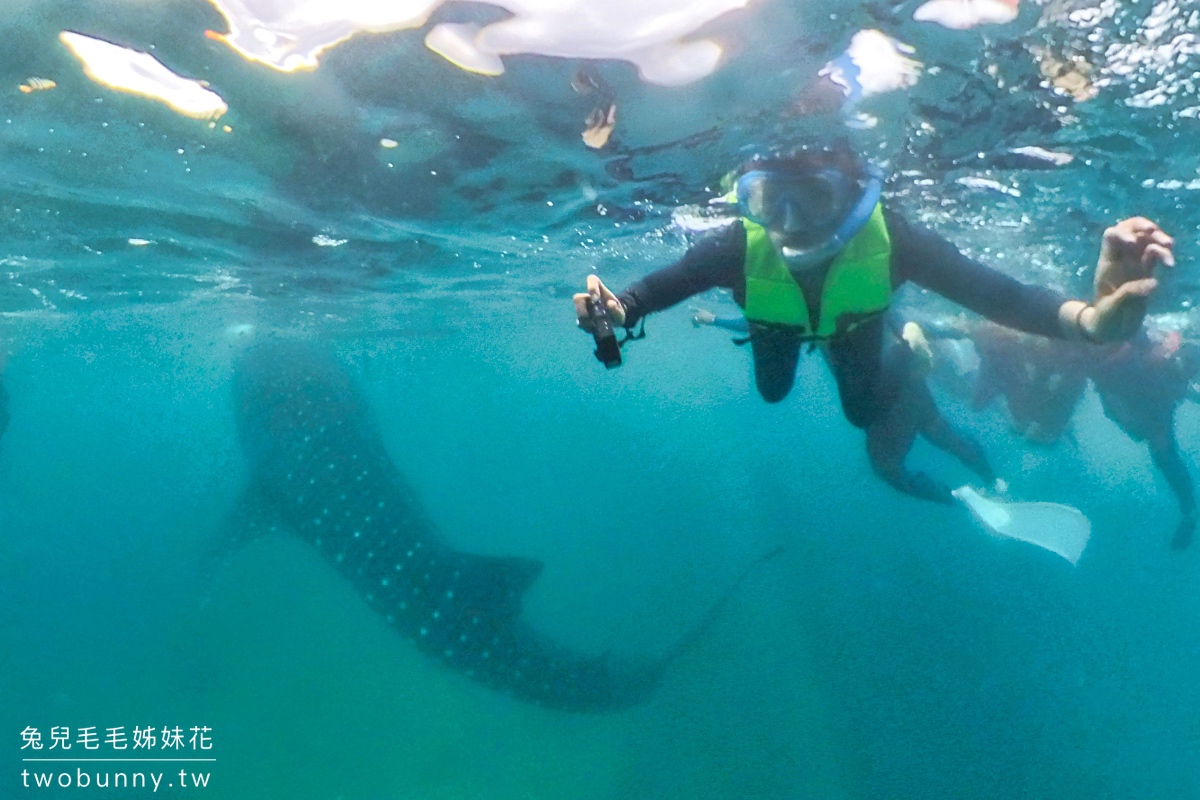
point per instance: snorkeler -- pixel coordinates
(1040, 380)
(815, 258)
(909, 411)
(1140, 382)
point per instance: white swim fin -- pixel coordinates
(1060, 529)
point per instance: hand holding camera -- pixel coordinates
(599, 312)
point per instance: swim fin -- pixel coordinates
(1060, 529)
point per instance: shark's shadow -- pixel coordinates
(320, 472)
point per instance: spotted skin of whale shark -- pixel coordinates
(321, 473)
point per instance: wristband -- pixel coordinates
(1087, 337)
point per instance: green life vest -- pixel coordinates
(858, 285)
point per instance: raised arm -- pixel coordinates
(1129, 253)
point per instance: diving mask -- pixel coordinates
(813, 214)
(813, 200)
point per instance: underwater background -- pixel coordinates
(891, 650)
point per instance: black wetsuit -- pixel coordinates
(856, 357)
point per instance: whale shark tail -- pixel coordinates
(639, 682)
(693, 637)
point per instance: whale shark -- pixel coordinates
(320, 471)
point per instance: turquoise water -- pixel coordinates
(891, 651)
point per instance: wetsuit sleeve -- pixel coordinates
(714, 261)
(921, 256)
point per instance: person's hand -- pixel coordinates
(598, 293)
(702, 316)
(915, 338)
(1125, 278)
